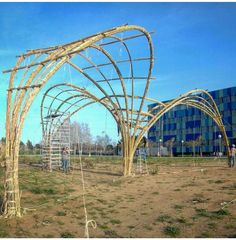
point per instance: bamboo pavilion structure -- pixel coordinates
(112, 68)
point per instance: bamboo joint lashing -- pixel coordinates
(25, 87)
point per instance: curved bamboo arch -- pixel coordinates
(36, 67)
(81, 94)
(202, 101)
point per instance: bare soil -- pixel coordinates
(174, 200)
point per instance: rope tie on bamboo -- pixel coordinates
(9, 180)
(87, 222)
(12, 171)
(93, 224)
(12, 191)
(225, 204)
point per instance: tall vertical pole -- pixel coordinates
(160, 141)
(220, 152)
(182, 150)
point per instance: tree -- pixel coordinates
(2, 152)
(37, 147)
(109, 148)
(103, 141)
(75, 133)
(86, 136)
(192, 144)
(22, 147)
(119, 147)
(199, 143)
(170, 144)
(29, 145)
(80, 137)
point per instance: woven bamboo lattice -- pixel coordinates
(105, 68)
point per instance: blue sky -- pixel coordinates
(194, 44)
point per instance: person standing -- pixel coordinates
(144, 154)
(232, 155)
(65, 159)
(137, 152)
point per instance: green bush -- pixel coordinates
(202, 212)
(67, 235)
(115, 221)
(61, 213)
(172, 231)
(38, 190)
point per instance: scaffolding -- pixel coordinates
(54, 140)
(141, 164)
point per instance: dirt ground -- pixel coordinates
(174, 200)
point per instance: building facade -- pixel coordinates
(188, 130)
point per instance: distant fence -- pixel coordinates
(114, 158)
(74, 158)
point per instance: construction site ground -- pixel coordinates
(176, 199)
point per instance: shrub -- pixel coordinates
(164, 218)
(111, 234)
(61, 213)
(172, 231)
(67, 235)
(48, 191)
(202, 212)
(115, 221)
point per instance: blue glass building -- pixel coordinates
(186, 124)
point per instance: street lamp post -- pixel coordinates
(219, 136)
(182, 150)
(160, 140)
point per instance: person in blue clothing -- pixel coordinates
(137, 152)
(65, 159)
(144, 154)
(232, 156)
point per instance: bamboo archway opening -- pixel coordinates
(199, 99)
(65, 97)
(60, 102)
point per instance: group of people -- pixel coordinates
(139, 152)
(232, 156)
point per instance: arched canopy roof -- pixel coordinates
(66, 97)
(61, 99)
(115, 65)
